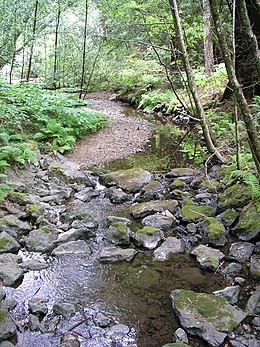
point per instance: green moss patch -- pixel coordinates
(121, 227)
(214, 227)
(3, 315)
(177, 184)
(4, 241)
(235, 196)
(17, 195)
(34, 208)
(44, 230)
(193, 213)
(148, 230)
(249, 220)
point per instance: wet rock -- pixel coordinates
(2, 293)
(178, 184)
(14, 226)
(6, 344)
(194, 213)
(102, 320)
(148, 237)
(10, 303)
(181, 336)
(241, 251)
(144, 209)
(37, 306)
(170, 246)
(65, 309)
(118, 331)
(79, 217)
(255, 267)
(74, 235)
(160, 221)
(131, 180)
(151, 191)
(181, 172)
(244, 341)
(10, 271)
(118, 233)
(179, 194)
(8, 243)
(239, 280)
(69, 340)
(34, 322)
(235, 196)
(41, 240)
(248, 226)
(7, 326)
(208, 257)
(214, 231)
(210, 317)
(232, 268)
(253, 304)
(228, 217)
(87, 194)
(203, 198)
(114, 254)
(231, 294)
(116, 219)
(72, 247)
(117, 196)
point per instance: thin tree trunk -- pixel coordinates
(55, 66)
(236, 87)
(84, 50)
(33, 39)
(191, 81)
(208, 45)
(23, 61)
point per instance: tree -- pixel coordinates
(56, 52)
(84, 49)
(208, 45)
(33, 39)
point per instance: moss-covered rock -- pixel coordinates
(118, 233)
(8, 243)
(248, 227)
(211, 185)
(148, 237)
(17, 197)
(34, 210)
(214, 231)
(182, 172)
(179, 194)
(144, 209)
(178, 184)
(255, 267)
(7, 326)
(237, 195)
(227, 217)
(194, 213)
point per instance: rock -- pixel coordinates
(118, 233)
(248, 226)
(102, 320)
(79, 217)
(69, 340)
(179, 194)
(2, 293)
(193, 213)
(232, 268)
(241, 251)
(255, 267)
(74, 235)
(7, 326)
(151, 191)
(87, 194)
(181, 336)
(228, 217)
(244, 341)
(8, 243)
(191, 228)
(203, 198)
(214, 231)
(114, 254)
(37, 306)
(115, 219)
(181, 172)
(14, 226)
(34, 211)
(131, 180)
(34, 322)
(41, 240)
(144, 209)
(64, 308)
(118, 331)
(117, 196)
(211, 318)
(160, 221)
(208, 257)
(170, 246)
(72, 247)
(235, 196)
(239, 280)
(10, 303)
(6, 344)
(148, 237)
(10, 272)
(178, 184)
(34, 265)
(253, 304)
(231, 294)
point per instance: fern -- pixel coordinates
(250, 179)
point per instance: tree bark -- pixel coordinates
(208, 45)
(55, 66)
(191, 81)
(235, 85)
(84, 50)
(33, 39)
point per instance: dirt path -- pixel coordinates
(122, 137)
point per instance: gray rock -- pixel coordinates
(191, 228)
(34, 265)
(74, 235)
(72, 247)
(118, 331)
(208, 257)
(206, 315)
(182, 172)
(34, 322)
(69, 340)
(37, 306)
(228, 217)
(181, 336)
(213, 231)
(7, 326)
(14, 226)
(8, 243)
(253, 304)
(231, 294)
(148, 237)
(204, 198)
(6, 344)
(117, 196)
(144, 209)
(255, 267)
(240, 280)
(115, 219)
(10, 303)
(232, 268)
(40, 240)
(102, 320)
(160, 221)
(2, 293)
(10, 271)
(170, 246)
(114, 254)
(131, 180)
(176, 344)
(244, 341)
(87, 194)
(60, 193)
(151, 191)
(118, 234)
(241, 251)
(65, 309)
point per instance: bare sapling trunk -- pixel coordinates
(192, 83)
(33, 39)
(208, 45)
(55, 67)
(84, 50)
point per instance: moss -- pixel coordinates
(255, 273)
(56, 168)
(4, 241)
(211, 185)
(17, 195)
(229, 214)
(249, 220)
(44, 230)
(186, 201)
(213, 261)
(180, 193)
(193, 212)
(178, 184)
(121, 227)
(152, 185)
(4, 221)
(147, 230)
(3, 315)
(214, 227)
(235, 196)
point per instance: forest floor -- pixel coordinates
(121, 137)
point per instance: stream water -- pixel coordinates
(136, 294)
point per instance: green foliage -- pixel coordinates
(250, 179)
(153, 98)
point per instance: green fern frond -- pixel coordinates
(250, 179)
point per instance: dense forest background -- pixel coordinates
(198, 58)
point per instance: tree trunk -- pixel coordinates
(234, 84)
(191, 81)
(208, 45)
(84, 50)
(55, 66)
(33, 39)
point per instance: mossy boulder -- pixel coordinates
(8, 243)
(17, 197)
(255, 267)
(34, 210)
(179, 194)
(208, 257)
(40, 240)
(148, 237)
(238, 195)
(144, 209)
(153, 190)
(131, 180)
(214, 231)
(118, 233)
(14, 226)
(248, 226)
(210, 317)
(227, 217)
(211, 185)
(195, 213)
(178, 184)
(182, 172)
(7, 326)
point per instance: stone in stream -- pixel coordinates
(181, 172)
(10, 271)
(6, 344)
(102, 320)
(210, 317)
(208, 257)
(231, 294)
(8, 243)
(241, 251)
(118, 233)
(253, 304)
(72, 247)
(248, 226)
(214, 231)
(193, 213)
(144, 209)
(170, 246)
(65, 309)
(74, 235)
(114, 254)
(151, 191)
(117, 196)
(118, 331)
(116, 219)
(37, 306)
(7, 326)
(69, 340)
(14, 226)
(131, 180)
(41, 240)
(148, 237)
(87, 194)
(160, 221)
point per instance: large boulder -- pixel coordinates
(194, 213)
(235, 196)
(10, 271)
(152, 191)
(144, 209)
(248, 226)
(241, 251)
(148, 237)
(7, 326)
(41, 240)
(160, 221)
(8, 243)
(182, 172)
(114, 254)
(208, 257)
(131, 180)
(214, 231)
(210, 317)
(72, 247)
(14, 226)
(118, 233)
(170, 246)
